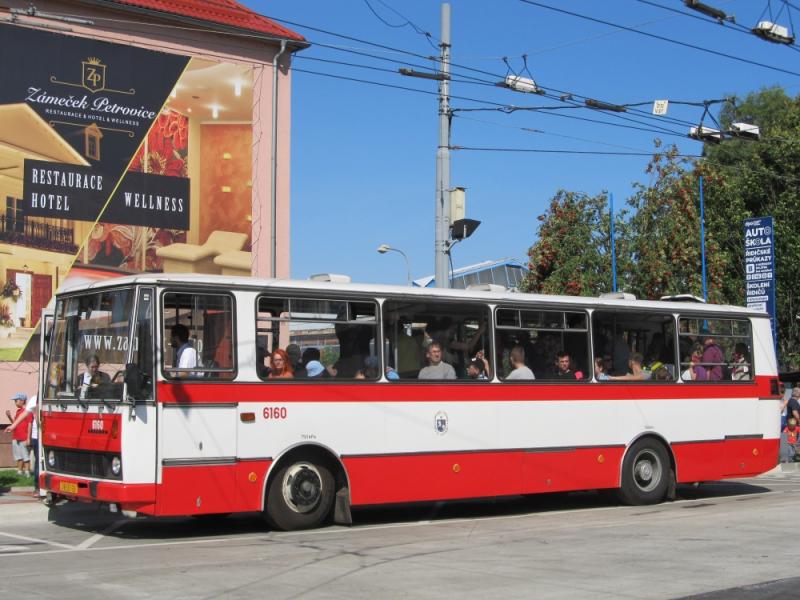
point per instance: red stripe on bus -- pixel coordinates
(421, 477)
(202, 392)
(698, 461)
(382, 479)
(82, 431)
(208, 489)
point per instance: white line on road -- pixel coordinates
(86, 544)
(36, 540)
(126, 547)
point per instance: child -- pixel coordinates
(600, 369)
(792, 432)
(20, 446)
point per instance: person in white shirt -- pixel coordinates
(517, 359)
(185, 354)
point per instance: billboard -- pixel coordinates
(759, 267)
(110, 154)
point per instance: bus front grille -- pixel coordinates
(80, 462)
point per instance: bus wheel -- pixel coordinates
(300, 496)
(645, 473)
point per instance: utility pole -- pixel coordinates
(441, 248)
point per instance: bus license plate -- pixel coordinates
(69, 488)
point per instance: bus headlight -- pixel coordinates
(116, 465)
(51, 459)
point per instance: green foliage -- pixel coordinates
(664, 235)
(658, 247)
(761, 179)
(573, 253)
(9, 479)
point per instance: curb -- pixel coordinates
(792, 467)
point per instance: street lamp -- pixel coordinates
(384, 248)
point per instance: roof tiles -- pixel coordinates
(220, 12)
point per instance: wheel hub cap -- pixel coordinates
(302, 487)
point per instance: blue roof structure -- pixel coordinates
(507, 272)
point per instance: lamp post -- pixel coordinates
(384, 248)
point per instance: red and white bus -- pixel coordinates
(361, 423)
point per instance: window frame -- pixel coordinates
(487, 305)
(306, 295)
(748, 340)
(533, 307)
(200, 291)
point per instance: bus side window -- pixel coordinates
(635, 345)
(324, 339)
(198, 336)
(542, 345)
(715, 349)
(414, 329)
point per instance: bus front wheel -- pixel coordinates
(300, 496)
(645, 473)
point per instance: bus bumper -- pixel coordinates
(136, 497)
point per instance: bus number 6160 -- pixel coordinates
(275, 412)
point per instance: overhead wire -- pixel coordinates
(729, 25)
(393, 50)
(660, 37)
(384, 48)
(551, 151)
(541, 131)
(559, 96)
(406, 21)
(500, 106)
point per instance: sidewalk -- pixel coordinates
(791, 467)
(17, 495)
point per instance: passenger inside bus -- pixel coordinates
(635, 370)
(185, 354)
(296, 361)
(519, 370)
(565, 367)
(279, 365)
(437, 368)
(600, 369)
(476, 370)
(741, 363)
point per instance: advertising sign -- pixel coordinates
(759, 266)
(97, 97)
(77, 192)
(110, 154)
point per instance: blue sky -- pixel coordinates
(363, 156)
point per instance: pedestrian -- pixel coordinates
(32, 409)
(791, 435)
(20, 430)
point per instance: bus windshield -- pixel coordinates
(89, 346)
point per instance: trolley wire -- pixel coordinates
(661, 37)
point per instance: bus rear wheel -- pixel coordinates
(645, 473)
(300, 496)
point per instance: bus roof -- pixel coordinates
(228, 282)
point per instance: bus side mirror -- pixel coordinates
(133, 380)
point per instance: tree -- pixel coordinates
(658, 249)
(573, 253)
(664, 236)
(761, 179)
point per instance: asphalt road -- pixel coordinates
(732, 540)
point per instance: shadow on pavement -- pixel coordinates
(94, 519)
